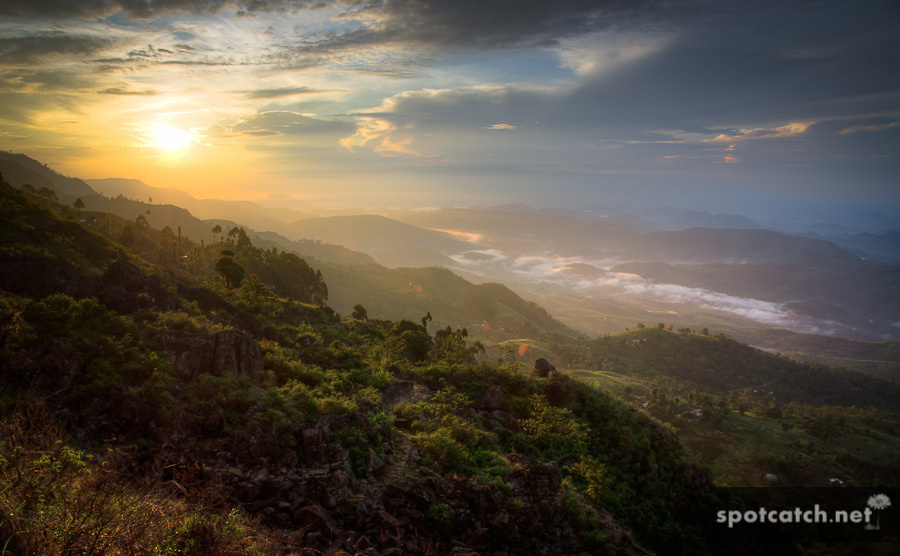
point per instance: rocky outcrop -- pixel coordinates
(227, 352)
(534, 482)
(542, 368)
(320, 453)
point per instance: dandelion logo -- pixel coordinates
(878, 502)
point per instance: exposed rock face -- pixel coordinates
(509, 421)
(319, 452)
(544, 369)
(217, 354)
(126, 289)
(405, 391)
(535, 482)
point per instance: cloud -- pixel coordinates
(62, 9)
(591, 277)
(604, 51)
(288, 123)
(280, 93)
(473, 24)
(874, 128)
(55, 45)
(780, 132)
(126, 92)
(501, 127)
(378, 132)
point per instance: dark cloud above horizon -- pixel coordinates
(662, 95)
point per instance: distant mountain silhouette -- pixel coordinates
(694, 219)
(369, 232)
(19, 170)
(248, 213)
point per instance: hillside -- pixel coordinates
(705, 245)
(489, 311)
(369, 232)
(187, 382)
(247, 213)
(18, 170)
(853, 297)
(203, 399)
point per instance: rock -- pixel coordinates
(374, 464)
(542, 368)
(491, 399)
(461, 551)
(227, 352)
(312, 436)
(509, 421)
(330, 456)
(314, 518)
(536, 482)
(215, 421)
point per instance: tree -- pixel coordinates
(425, 320)
(216, 231)
(359, 312)
(47, 193)
(78, 204)
(230, 270)
(166, 254)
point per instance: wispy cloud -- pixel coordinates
(280, 93)
(792, 129)
(869, 128)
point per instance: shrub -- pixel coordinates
(555, 431)
(58, 500)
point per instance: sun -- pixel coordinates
(170, 139)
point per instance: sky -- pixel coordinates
(742, 107)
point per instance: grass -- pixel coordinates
(739, 449)
(57, 499)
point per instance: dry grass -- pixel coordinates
(55, 500)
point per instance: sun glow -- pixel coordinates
(170, 138)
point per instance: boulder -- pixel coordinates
(535, 482)
(509, 421)
(227, 352)
(542, 368)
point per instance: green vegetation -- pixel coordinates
(157, 401)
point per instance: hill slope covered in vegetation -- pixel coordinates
(161, 396)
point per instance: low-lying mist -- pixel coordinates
(593, 278)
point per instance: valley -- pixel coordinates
(236, 353)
